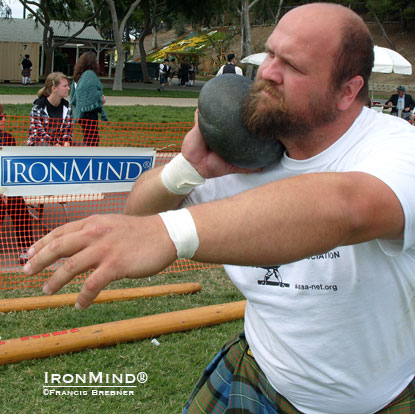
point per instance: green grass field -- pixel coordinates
(172, 368)
(127, 91)
(136, 113)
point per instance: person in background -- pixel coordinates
(192, 74)
(51, 115)
(164, 70)
(184, 74)
(230, 67)
(15, 207)
(87, 97)
(173, 70)
(402, 104)
(26, 65)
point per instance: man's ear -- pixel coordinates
(349, 91)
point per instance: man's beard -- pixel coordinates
(274, 119)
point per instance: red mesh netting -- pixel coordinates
(25, 219)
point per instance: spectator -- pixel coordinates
(26, 65)
(164, 70)
(230, 67)
(51, 114)
(87, 97)
(184, 74)
(192, 74)
(173, 70)
(402, 104)
(15, 207)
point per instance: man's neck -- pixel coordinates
(321, 138)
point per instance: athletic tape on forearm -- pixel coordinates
(180, 177)
(182, 231)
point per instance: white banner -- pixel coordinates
(32, 171)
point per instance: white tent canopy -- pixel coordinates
(386, 61)
(389, 61)
(255, 59)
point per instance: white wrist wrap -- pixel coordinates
(182, 231)
(179, 176)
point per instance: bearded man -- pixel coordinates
(322, 244)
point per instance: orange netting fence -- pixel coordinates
(26, 218)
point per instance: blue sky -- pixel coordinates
(16, 6)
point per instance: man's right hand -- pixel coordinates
(207, 163)
(115, 246)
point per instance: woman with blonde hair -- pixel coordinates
(87, 97)
(51, 115)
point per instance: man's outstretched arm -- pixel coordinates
(280, 222)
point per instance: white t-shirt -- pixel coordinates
(163, 68)
(335, 333)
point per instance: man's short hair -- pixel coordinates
(355, 55)
(401, 88)
(230, 57)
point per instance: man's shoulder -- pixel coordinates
(385, 125)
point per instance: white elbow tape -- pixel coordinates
(182, 231)
(180, 177)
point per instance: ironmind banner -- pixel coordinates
(71, 170)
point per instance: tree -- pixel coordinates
(118, 30)
(278, 14)
(48, 10)
(391, 10)
(5, 10)
(151, 10)
(244, 7)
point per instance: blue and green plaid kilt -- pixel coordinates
(233, 383)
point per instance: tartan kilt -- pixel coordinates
(233, 383)
(26, 73)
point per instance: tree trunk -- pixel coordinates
(118, 31)
(117, 85)
(47, 48)
(245, 29)
(154, 38)
(277, 16)
(48, 62)
(143, 55)
(385, 35)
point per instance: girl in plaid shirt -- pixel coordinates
(51, 116)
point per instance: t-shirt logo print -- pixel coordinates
(273, 277)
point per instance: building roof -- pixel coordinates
(26, 30)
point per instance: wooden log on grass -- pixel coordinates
(111, 333)
(54, 301)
